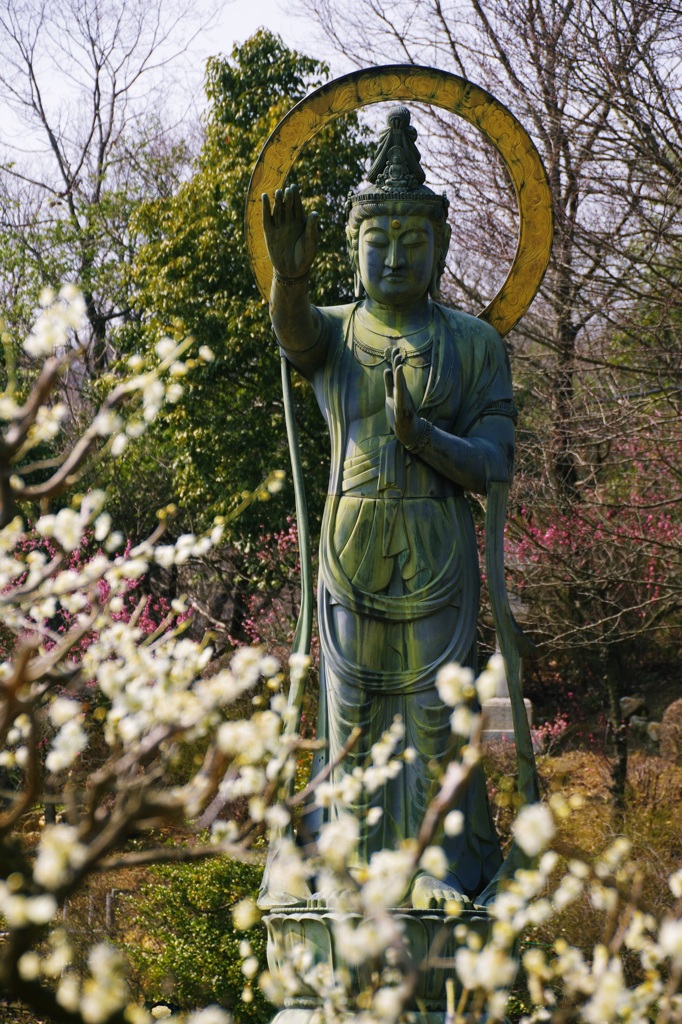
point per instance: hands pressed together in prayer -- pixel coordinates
(401, 412)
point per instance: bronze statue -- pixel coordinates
(418, 401)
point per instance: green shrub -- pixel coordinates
(181, 943)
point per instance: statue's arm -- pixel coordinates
(291, 239)
(485, 455)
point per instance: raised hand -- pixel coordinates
(400, 409)
(290, 236)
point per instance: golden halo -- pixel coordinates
(449, 92)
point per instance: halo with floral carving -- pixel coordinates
(403, 82)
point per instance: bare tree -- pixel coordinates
(598, 85)
(89, 130)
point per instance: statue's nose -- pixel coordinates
(395, 255)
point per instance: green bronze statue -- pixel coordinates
(418, 400)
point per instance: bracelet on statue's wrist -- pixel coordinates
(423, 438)
(291, 282)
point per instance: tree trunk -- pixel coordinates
(612, 676)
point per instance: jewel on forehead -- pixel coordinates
(395, 223)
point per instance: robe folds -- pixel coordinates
(398, 588)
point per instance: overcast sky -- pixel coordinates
(183, 92)
(241, 18)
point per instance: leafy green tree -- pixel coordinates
(227, 432)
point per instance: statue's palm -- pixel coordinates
(290, 236)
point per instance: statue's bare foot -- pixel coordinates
(430, 893)
(272, 898)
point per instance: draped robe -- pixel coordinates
(398, 587)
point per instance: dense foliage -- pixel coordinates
(188, 952)
(193, 276)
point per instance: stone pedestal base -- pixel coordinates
(317, 1017)
(430, 937)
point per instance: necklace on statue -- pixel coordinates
(417, 355)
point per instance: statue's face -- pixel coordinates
(396, 257)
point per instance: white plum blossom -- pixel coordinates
(539, 912)
(250, 967)
(374, 777)
(609, 996)
(569, 889)
(455, 684)
(165, 347)
(102, 526)
(453, 823)
(338, 841)
(277, 817)
(9, 409)
(246, 663)
(48, 423)
(388, 1002)
(60, 315)
(534, 828)
(67, 529)
(374, 815)
(489, 968)
(388, 875)
(670, 940)
(612, 858)
(69, 742)
(251, 740)
(136, 428)
(106, 990)
(245, 914)
(29, 966)
(385, 746)
(298, 667)
(68, 993)
(119, 445)
(114, 540)
(462, 720)
(224, 831)
(640, 930)
(60, 956)
(675, 883)
(59, 851)
(508, 905)
(602, 897)
(107, 422)
(164, 555)
(135, 362)
(269, 666)
(20, 910)
(210, 1015)
(493, 678)
(434, 862)
(365, 940)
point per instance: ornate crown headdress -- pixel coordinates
(396, 174)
